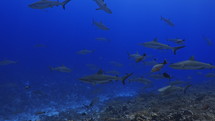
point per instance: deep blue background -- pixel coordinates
(65, 32)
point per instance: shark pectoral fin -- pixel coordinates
(99, 9)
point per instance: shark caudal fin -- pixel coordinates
(93, 21)
(174, 49)
(126, 77)
(128, 55)
(64, 3)
(161, 17)
(51, 68)
(186, 88)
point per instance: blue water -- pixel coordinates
(64, 32)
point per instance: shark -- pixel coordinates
(100, 78)
(191, 64)
(7, 62)
(172, 88)
(103, 6)
(177, 41)
(48, 4)
(84, 52)
(160, 46)
(60, 69)
(100, 25)
(168, 21)
(141, 80)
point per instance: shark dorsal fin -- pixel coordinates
(155, 39)
(192, 58)
(100, 72)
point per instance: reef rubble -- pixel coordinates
(197, 105)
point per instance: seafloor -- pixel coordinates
(198, 104)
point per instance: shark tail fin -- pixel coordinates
(186, 88)
(126, 77)
(51, 68)
(174, 49)
(64, 3)
(128, 55)
(93, 21)
(161, 17)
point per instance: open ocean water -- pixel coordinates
(107, 60)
